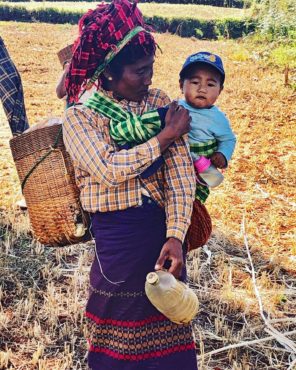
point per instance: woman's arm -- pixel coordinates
(179, 188)
(94, 155)
(60, 88)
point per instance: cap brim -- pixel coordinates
(222, 72)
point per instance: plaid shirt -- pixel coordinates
(11, 93)
(109, 179)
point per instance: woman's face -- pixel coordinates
(135, 80)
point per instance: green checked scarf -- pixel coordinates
(129, 128)
(125, 127)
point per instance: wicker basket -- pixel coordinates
(47, 176)
(65, 54)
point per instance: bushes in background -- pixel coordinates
(48, 15)
(220, 3)
(202, 29)
(276, 18)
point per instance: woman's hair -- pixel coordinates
(100, 31)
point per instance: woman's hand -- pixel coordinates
(177, 123)
(171, 251)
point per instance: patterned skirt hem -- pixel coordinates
(138, 340)
(144, 356)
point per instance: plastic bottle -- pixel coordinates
(208, 173)
(171, 297)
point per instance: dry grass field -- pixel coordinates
(245, 277)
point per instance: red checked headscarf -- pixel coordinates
(100, 31)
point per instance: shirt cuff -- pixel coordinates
(154, 148)
(177, 231)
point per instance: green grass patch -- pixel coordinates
(240, 53)
(284, 55)
(266, 51)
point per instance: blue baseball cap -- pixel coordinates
(205, 58)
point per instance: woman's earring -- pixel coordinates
(110, 78)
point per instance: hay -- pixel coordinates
(230, 333)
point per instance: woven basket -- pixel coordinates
(65, 54)
(200, 228)
(50, 191)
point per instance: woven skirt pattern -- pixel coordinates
(125, 331)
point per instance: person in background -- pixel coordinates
(12, 98)
(11, 93)
(139, 221)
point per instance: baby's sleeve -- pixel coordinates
(225, 137)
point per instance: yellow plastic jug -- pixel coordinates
(171, 297)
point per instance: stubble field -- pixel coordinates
(43, 291)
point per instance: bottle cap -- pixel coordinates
(202, 164)
(152, 278)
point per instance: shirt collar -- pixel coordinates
(124, 102)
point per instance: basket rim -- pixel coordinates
(65, 50)
(29, 136)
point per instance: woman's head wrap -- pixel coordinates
(103, 32)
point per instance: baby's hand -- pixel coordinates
(218, 160)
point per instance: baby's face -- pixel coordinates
(202, 87)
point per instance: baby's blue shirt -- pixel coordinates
(208, 124)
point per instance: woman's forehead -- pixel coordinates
(143, 62)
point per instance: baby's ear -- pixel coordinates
(181, 83)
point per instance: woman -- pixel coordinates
(140, 198)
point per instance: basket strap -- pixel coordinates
(40, 160)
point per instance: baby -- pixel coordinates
(211, 139)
